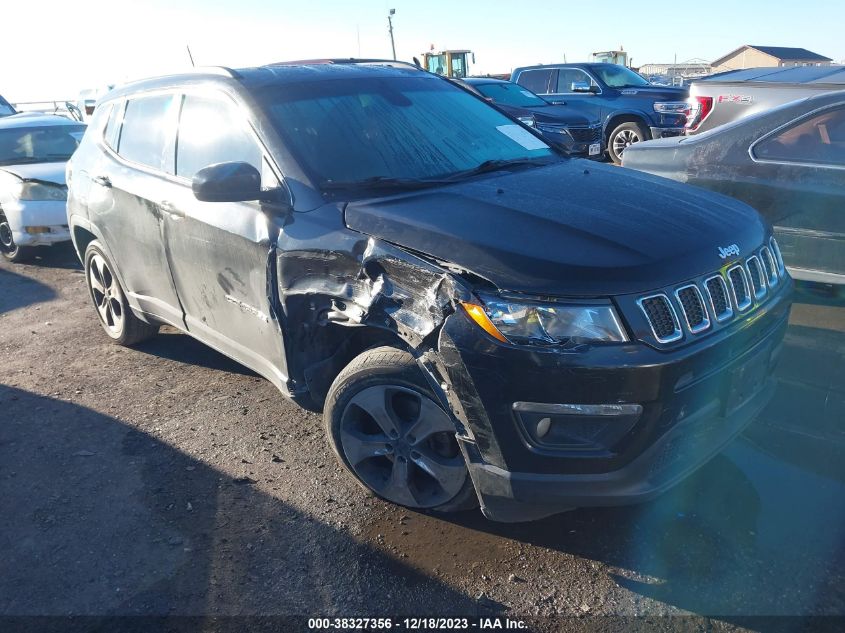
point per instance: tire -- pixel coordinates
(113, 311)
(388, 431)
(622, 136)
(11, 251)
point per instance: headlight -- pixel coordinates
(671, 107)
(554, 129)
(40, 191)
(546, 323)
(527, 120)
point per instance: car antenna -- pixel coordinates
(191, 57)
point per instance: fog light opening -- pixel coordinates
(543, 427)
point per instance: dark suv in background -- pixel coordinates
(629, 107)
(480, 317)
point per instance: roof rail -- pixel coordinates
(347, 60)
(216, 70)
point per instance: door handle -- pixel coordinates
(103, 181)
(170, 209)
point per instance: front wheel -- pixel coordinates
(11, 251)
(389, 432)
(116, 317)
(622, 136)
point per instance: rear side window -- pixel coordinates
(536, 81)
(111, 134)
(818, 140)
(145, 134)
(212, 131)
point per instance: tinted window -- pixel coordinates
(145, 134)
(568, 76)
(820, 139)
(510, 94)
(48, 143)
(393, 127)
(212, 131)
(536, 80)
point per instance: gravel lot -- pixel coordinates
(167, 480)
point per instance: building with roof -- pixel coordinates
(749, 56)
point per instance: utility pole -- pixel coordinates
(390, 28)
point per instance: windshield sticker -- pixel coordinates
(522, 136)
(742, 99)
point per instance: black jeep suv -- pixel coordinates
(480, 317)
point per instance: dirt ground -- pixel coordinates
(167, 480)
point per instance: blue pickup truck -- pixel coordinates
(630, 108)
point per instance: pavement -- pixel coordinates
(167, 480)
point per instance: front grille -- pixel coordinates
(586, 134)
(778, 258)
(769, 266)
(693, 308)
(661, 317)
(719, 301)
(755, 274)
(739, 287)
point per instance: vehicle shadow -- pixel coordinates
(59, 255)
(22, 291)
(99, 518)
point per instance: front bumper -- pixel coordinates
(666, 132)
(37, 215)
(690, 410)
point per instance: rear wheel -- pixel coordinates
(622, 136)
(115, 315)
(387, 429)
(8, 247)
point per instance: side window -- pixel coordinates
(568, 76)
(212, 131)
(145, 133)
(112, 132)
(537, 81)
(819, 140)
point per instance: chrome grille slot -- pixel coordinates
(755, 275)
(769, 266)
(661, 317)
(739, 287)
(773, 243)
(720, 303)
(692, 305)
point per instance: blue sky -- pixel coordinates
(70, 46)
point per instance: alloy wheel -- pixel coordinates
(624, 139)
(402, 445)
(7, 242)
(106, 293)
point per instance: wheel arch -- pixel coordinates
(626, 116)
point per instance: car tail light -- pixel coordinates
(701, 107)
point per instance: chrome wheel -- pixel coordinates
(106, 293)
(402, 445)
(624, 139)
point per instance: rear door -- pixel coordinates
(127, 185)
(220, 253)
(803, 166)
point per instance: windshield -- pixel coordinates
(43, 144)
(354, 130)
(510, 94)
(619, 77)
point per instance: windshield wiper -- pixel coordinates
(497, 164)
(382, 182)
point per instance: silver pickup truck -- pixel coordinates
(735, 94)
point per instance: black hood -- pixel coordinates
(573, 228)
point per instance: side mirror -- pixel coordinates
(581, 86)
(227, 182)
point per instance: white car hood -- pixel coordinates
(47, 172)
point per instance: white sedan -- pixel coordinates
(33, 151)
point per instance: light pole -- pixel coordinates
(390, 28)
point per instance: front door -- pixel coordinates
(221, 253)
